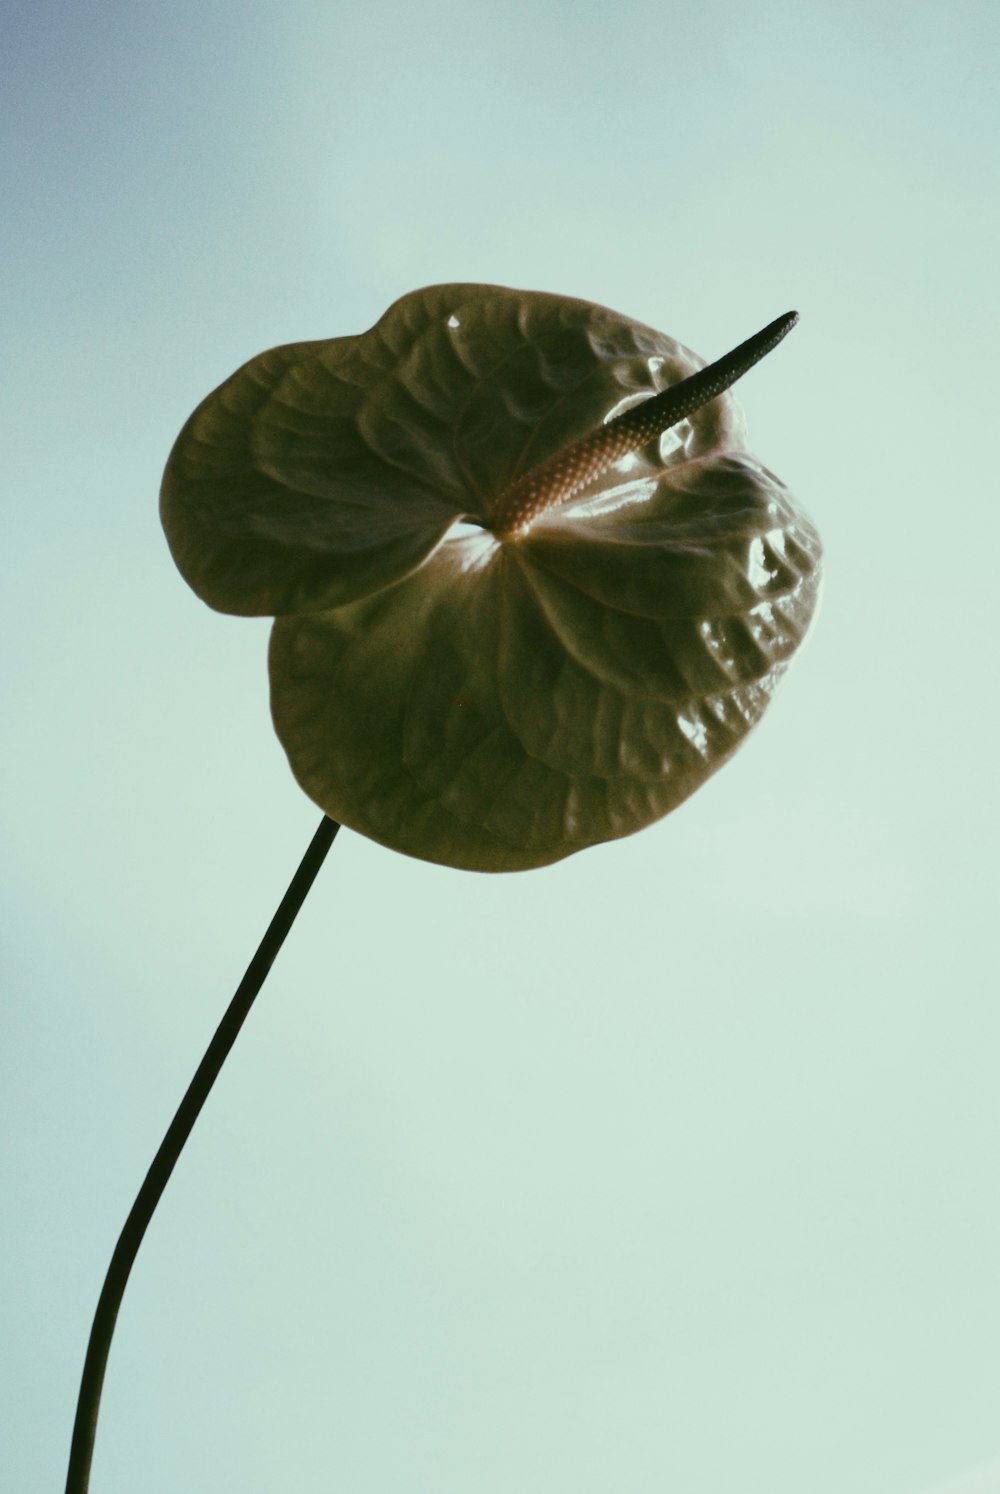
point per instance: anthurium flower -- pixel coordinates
(530, 590)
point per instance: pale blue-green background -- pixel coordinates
(673, 1167)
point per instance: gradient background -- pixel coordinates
(673, 1167)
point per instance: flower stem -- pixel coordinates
(85, 1426)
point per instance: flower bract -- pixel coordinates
(474, 694)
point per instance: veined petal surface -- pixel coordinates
(482, 699)
(321, 472)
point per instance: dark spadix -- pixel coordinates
(530, 590)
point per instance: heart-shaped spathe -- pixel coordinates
(477, 694)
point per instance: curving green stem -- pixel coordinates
(88, 1404)
(562, 475)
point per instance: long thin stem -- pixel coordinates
(85, 1426)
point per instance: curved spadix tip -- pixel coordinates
(780, 327)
